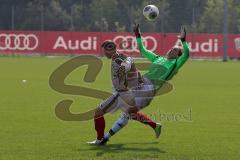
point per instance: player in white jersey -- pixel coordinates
(124, 76)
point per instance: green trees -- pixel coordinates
(117, 15)
(103, 14)
(50, 13)
(212, 18)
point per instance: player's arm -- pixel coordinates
(183, 58)
(127, 64)
(118, 72)
(145, 52)
(124, 67)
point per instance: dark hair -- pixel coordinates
(179, 50)
(180, 53)
(108, 45)
(175, 49)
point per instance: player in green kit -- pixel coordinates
(173, 61)
(161, 70)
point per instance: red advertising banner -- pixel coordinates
(201, 45)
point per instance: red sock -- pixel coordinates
(141, 117)
(99, 127)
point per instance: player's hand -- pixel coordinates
(136, 30)
(121, 72)
(182, 35)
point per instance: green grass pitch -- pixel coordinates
(206, 97)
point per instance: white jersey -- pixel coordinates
(132, 77)
(128, 92)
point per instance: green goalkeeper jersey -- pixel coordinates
(162, 69)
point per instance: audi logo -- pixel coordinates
(129, 44)
(18, 41)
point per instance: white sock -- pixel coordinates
(119, 124)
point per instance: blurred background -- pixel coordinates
(214, 24)
(200, 16)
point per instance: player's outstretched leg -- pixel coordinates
(110, 104)
(99, 127)
(141, 117)
(119, 124)
(99, 123)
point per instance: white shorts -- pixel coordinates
(122, 100)
(139, 97)
(144, 94)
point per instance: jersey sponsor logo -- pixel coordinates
(18, 41)
(129, 43)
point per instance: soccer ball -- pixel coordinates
(150, 12)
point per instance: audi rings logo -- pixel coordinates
(129, 44)
(18, 41)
